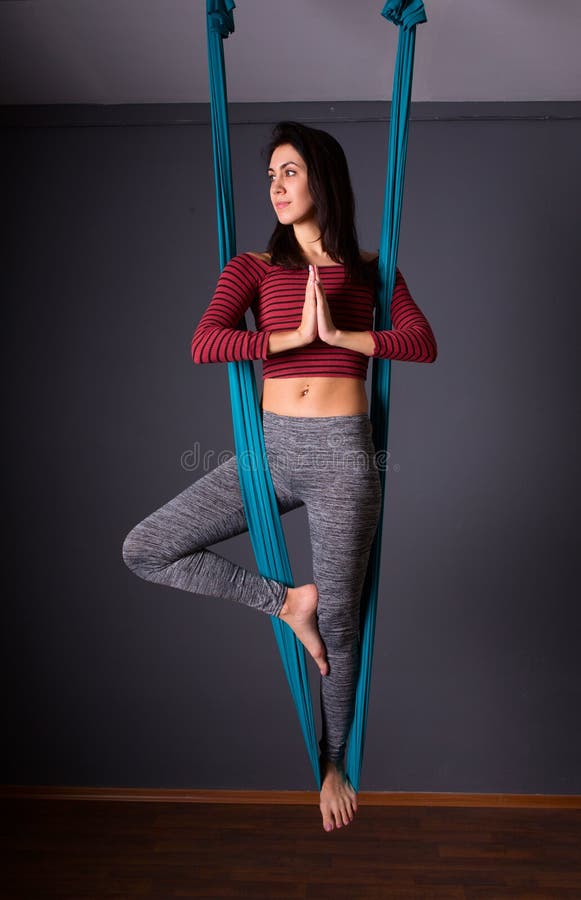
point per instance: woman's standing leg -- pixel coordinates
(343, 513)
(342, 494)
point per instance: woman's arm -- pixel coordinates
(216, 338)
(284, 340)
(410, 340)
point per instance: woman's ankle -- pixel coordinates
(327, 764)
(285, 605)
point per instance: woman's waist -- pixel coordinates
(315, 396)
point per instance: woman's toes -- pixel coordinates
(327, 821)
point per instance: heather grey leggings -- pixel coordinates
(326, 464)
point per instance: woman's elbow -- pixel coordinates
(202, 348)
(425, 345)
(429, 344)
(194, 351)
(432, 351)
(197, 348)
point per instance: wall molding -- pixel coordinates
(286, 798)
(153, 114)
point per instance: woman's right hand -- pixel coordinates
(308, 330)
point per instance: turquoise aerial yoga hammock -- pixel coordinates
(258, 495)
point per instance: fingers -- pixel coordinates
(318, 284)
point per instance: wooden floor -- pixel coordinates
(94, 849)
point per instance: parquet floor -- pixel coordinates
(97, 849)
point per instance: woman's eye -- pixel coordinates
(288, 172)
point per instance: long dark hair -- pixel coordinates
(329, 184)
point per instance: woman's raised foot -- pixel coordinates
(299, 611)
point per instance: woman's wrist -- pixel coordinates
(279, 341)
(361, 341)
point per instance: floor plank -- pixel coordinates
(95, 849)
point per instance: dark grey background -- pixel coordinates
(110, 260)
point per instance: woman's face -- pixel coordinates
(289, 191)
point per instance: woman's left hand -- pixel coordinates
(328, 332)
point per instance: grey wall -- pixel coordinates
(112, 258)
(152, 51)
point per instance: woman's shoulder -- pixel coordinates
(247, 260)
(264, 257)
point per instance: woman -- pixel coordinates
(312, 294)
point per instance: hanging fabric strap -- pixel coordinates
(406, 15)
(258, 494)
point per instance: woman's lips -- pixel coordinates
(282, 205)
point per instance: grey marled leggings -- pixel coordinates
(326, 464)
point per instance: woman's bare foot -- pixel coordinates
(299, 611)
(338, 797)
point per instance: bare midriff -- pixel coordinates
(316, 396)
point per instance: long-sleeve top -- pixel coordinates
(276, 296)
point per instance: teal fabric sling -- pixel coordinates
(264, 523)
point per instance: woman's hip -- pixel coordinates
(323, 454)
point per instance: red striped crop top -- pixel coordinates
(276, 296)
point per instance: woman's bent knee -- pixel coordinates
(141, 556)
(130, 552)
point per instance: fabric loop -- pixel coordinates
(221, 17)
(405, 13)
